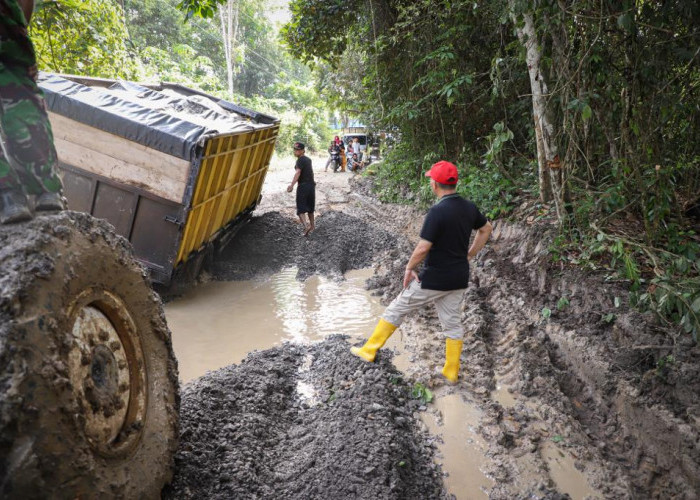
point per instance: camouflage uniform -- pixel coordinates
(24, 123)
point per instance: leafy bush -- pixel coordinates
(82, 37)
(401, 179)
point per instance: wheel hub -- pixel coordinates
(107, 373)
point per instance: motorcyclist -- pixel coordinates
(27, 157)
(333, 155)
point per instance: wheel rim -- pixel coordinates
(107, 372)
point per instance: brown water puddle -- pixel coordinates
(502, 394)
(564, 473)
(462, 448)
(219, 323)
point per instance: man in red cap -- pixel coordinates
(444, 245)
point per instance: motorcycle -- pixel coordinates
(335, 160)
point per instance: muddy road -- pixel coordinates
(570, 404)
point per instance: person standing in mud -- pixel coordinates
(444, 244)
(28, 156)
(306, 190)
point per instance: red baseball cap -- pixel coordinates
(443, 172)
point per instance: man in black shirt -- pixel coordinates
(444, 244)
(306, 191)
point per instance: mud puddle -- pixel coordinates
(462, 449)
(219, 323)
(562, 470)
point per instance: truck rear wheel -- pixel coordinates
(88, 379)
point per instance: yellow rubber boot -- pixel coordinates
(453, 350)
(381, 334)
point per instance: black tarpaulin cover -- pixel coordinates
(169, 123)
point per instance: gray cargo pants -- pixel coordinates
(447, 303)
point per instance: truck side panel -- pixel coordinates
(229, 182)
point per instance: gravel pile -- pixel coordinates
(304, 421)
(270, 242)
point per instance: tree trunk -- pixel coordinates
(544, 182)
(550, 165)
(229, 33)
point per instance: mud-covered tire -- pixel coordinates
(88, 380)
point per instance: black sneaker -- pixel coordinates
(47, 202)
(14, 207)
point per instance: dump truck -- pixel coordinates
(176, 171)
(154, 176)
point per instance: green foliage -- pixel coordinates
(301, 113)
(400, 177)
(609, 318)
(664, 365)
(562, 303)
(419, 391)
(181, 64)
(546, 312)
(200, 8)
(663, 280)
(676, 301)
(319, 28)
(332, 397)
(486, 186)
(83, 37)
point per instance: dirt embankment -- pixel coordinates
(596, 364)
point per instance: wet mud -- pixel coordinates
(569, 406)
(270, 242)
(303, 421)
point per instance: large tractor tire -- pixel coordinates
(88, 380)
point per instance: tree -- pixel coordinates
(229, 16)
(85, 37)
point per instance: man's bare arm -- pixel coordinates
(297, 173)
(482, 236)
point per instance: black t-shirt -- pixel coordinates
(307, 172)
(448, 226)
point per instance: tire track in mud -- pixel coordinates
(535, 438)
(564, 366)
